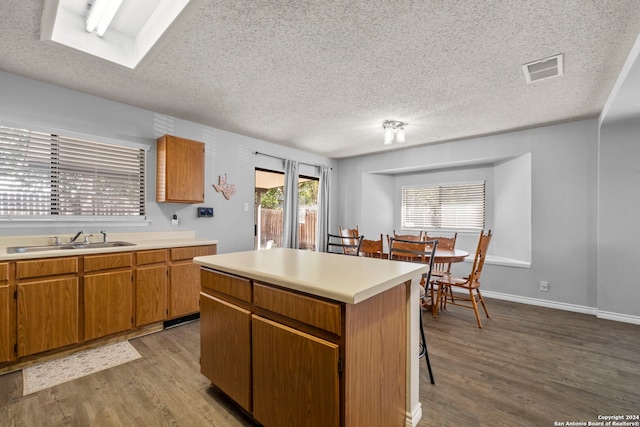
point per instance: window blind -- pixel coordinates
(444, 206)
(45, 174)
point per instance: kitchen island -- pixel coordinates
(307, 338)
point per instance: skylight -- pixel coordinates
(136, 28)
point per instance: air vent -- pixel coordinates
(543, 68)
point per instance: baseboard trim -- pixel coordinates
(542, 303)
(412, 419)
(626, 318)
(607, 315)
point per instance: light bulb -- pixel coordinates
(400, 135)
(388, 136)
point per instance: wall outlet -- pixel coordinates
(544, 286)
(174, 220)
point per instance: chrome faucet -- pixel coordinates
(74, 238)
(104, 236)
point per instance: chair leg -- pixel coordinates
(475, 307)
(423, 350)
(483, 304)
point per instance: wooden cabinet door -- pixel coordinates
(151, 294)
(107, 303)
(295, 377)
(47, 315)
(184, 295)
(225, 345)
(180, 170)
(5, 323)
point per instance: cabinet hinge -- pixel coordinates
(15, 294)
(340, 365)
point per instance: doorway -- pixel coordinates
(268, 211)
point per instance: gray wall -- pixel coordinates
(561, 224)
(35, 103)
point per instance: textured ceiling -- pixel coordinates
(323, 75)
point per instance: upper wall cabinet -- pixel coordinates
(180, 170)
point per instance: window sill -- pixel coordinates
(498, 260)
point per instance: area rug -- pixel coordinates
(49, 374)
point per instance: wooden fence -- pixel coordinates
(271, 221)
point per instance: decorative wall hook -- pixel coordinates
(227, 190)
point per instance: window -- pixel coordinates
(444, 206)
(45, 175)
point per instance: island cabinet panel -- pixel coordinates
(184, 278)
(6, 319)
(225, 331)
(179, 170)
(314, 361)
(295, 377)
(47, 315)
(227, 284)
(312, 311)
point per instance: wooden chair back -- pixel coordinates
(338, 244)
(372, 248)
(480, 256)
(441, 268)
(350, 236)
(417, 237)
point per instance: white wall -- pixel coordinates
(32, 102)
(563, 176)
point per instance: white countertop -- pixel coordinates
(141, 241)
(338, 277)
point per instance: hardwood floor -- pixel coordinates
(529, 366)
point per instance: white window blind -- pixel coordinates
(45, 174)
(444, 206)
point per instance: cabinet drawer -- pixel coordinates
(46, 267)
(4, 272)
(191, 252)
(151, 257)
(226, 284)
(315, 312)
(105, 262)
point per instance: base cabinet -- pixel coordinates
(151, 287)
(107, 304)
(6, 319)
(184, 292)
(47, 304)
(293, 359)
(47, 315)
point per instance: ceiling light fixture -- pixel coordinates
(101, 14)
(393, 131)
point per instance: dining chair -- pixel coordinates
(350, 235)
(417, 251)
(372, 248)
(339, 245)
(471, 283)
(441, 268)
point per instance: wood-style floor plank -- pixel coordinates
(528, 366)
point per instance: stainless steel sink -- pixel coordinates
(66, 246)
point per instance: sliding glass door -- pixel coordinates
(269, 196)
